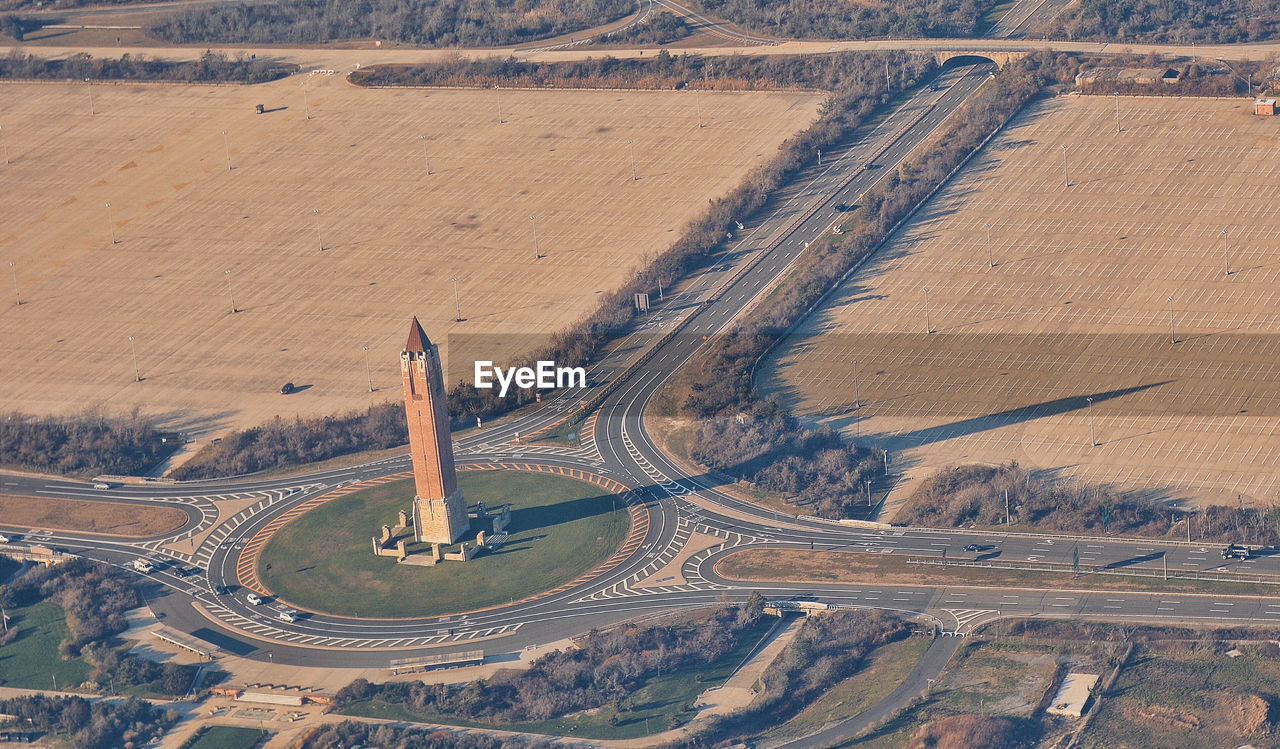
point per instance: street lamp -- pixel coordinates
(306, 100)
(631, 148)
(457, 306)
(17, 295)
(1226, 261)
(368, 373)
(315, 215)
(227, 146)
(1117, 100)
(425, 160)
(1066, 179)
(89, 85)
(230, 296)
(133, 348)
(111, 223)
(857, 388)
(928, 327)
(6, 146)
(537, 254)
(497, 92)
(1173, 336)
(1093, 435)
(991, 263)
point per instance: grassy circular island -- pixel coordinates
(560, 528)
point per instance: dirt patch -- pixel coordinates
(1249, 712)
(1165, 717)
(82, 515)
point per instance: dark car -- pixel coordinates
(974, 547)
(287, 388)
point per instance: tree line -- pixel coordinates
(1168, 21)
(94, 598)
(83, 445)
(351, 733)
(211, 67)
(841, 19)
(860, 86)
(91, 725)
(605, 668)
(435, 23)
(975, 495)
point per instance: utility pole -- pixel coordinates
(457, 306)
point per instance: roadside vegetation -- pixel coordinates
(1167, 21)
(975, 495)
(212, 67)
(851, 19)
(620, 675)
(65, 619)
(77, 723)
(83, 445)
(663, 27)
(434, 23)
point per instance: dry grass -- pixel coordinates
(1075, 307)
(108, 518)
(393, 235)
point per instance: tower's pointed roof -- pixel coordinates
(418, 341)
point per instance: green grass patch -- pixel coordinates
(226, 737)
(560, 528)
(663, 702)
(32, 661)
(887, 667)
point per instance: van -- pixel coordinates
(287, 615)
(143, 565)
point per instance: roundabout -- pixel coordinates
(561, 528)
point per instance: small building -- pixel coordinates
(1111, 74)
(1265, 107)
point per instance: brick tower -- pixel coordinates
(439, 511)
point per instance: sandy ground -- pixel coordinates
(110, 518)
(1077, 306)
(194, 238)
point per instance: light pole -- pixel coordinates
(457, 305)
(928, 327)
(133, 348)
(991, 263)
(226, 144)
(315, 216)
(1093, 436)
(819, 157)
(857, 388)
(497, 92)
(306, 100)
(89, 85)
(1226, 261)
(368, 373)
(17, 295)
(1117, 99)
(1066, 179)
(1173, 336)
(425, 160)
(698, 104)
(230, 296)
(631, 148)
(537, 253)
(6, 145)
(111, 223)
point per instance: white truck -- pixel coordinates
(144, 566)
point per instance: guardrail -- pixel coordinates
(1093, 569)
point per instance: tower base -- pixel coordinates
(440, 521)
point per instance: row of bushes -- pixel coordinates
(437, 23)
(841, 19)
(975, 494)
(859, 81)
(605, 668)
(211, 67)
(1168, 21)
(83, 445)
(351, 733)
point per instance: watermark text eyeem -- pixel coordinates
(544, 376)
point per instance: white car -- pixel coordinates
(287, 615)
(253, 599)
(5, 539)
